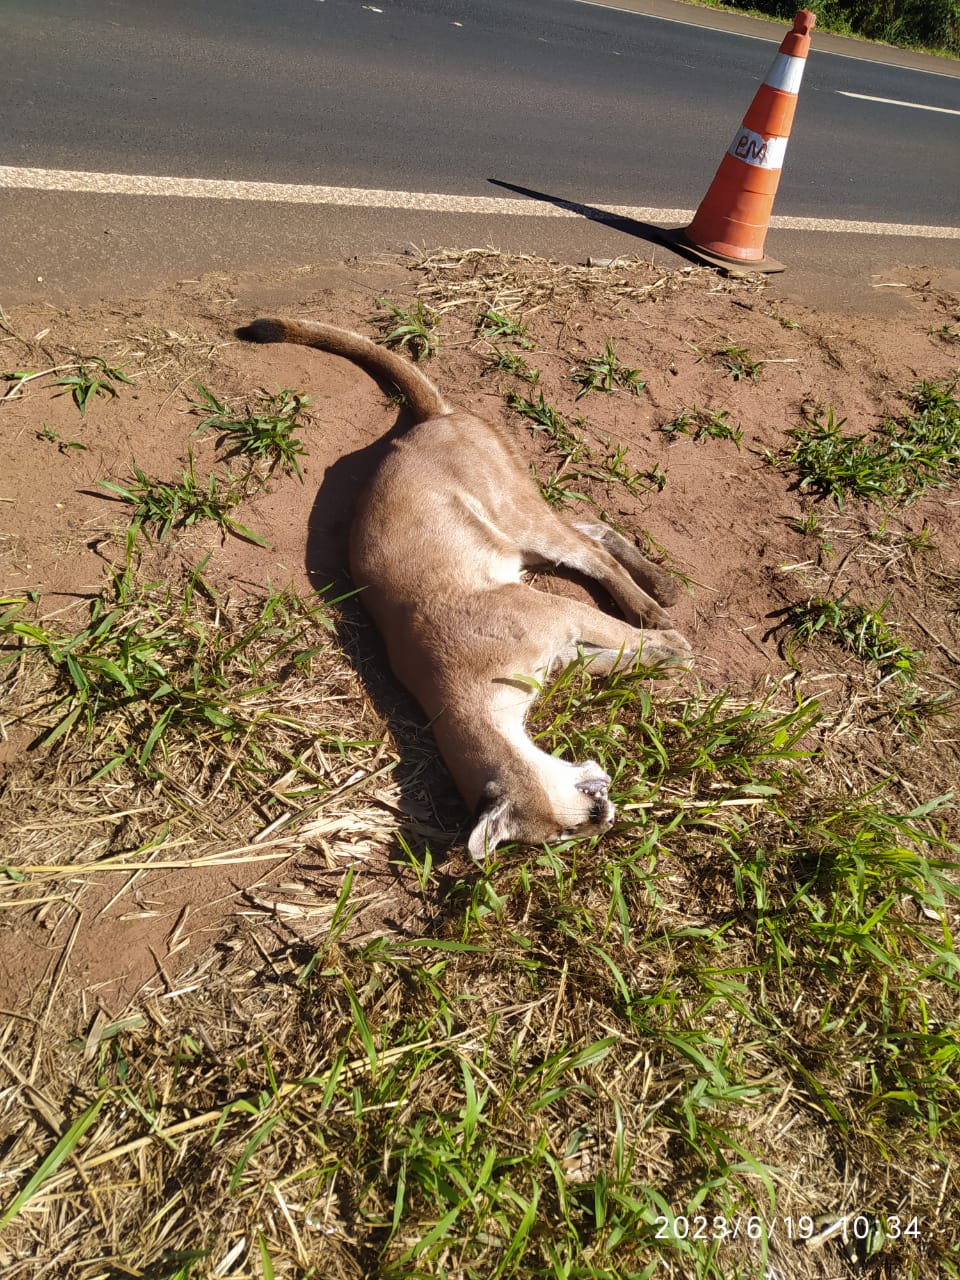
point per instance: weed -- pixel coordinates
(833, 464)
(493, 324)
(606, 373)
(18, 378)
(558, 488)
(46, 432)
(907, 455)
(172, 504)
(63, 1150)
(581, 462)
(265, 436)
(412, 328)
(948, 332)
(738, 363)
(550, 421)
(743, 935)
(613, 468)
(809, 525)
(859, 630)
(145, 671)
(513, 362)
(884, 537)
(913, 711)
(91, 377)
(783, 321)
(703, 424)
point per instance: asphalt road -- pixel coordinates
(583, 102)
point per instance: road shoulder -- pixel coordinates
(770, 29)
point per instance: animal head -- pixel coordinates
(555, 801)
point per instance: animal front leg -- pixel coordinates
(559, 543)
(657, 646)
(611, 644)
(654, 579)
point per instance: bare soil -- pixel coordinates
(723, 519)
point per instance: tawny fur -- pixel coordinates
(439, 544)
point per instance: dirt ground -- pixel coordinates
(724, 518)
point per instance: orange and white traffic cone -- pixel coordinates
(729, 228)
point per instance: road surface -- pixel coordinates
(585, 103)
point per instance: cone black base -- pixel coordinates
(677, 238)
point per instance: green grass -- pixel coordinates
(63, 446)
(84, 379)
(163, 505)
(549, 421)
(606, 373)
(857, 629)
(904, 458)
(581, 461)
(703, 424)
(91, 377)
(513, 362)
(151, 668)
(609, 1060)
(502, 327)
(412, 327)
(266, 435)
(738, 363)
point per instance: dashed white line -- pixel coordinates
(895, 102)
(127, 184)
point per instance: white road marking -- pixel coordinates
(127, 184)
(895, 102)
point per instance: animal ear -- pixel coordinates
(493, 828)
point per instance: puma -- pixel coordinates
(438, 548)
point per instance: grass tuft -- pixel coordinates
(581, 462)
(861, 631)
(703, 424)
(513, 362)
(738, 363)
(165, 505)
(905, 458)
(146, 670)
(264, 436)
(91, 377)
(606, 373)
(411, 327)
(501, 326)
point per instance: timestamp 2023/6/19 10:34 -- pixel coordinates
(850, 1227)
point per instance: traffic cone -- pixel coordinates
(729, 228)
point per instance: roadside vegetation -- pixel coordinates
(933, 25)
(722, 1042)
(896, 463)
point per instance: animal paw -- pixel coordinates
(667, 646)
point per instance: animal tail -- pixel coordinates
(422, 396)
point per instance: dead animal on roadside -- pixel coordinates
(438, 547)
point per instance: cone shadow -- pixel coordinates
(667, 237)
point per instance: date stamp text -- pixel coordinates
(850, 1228)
